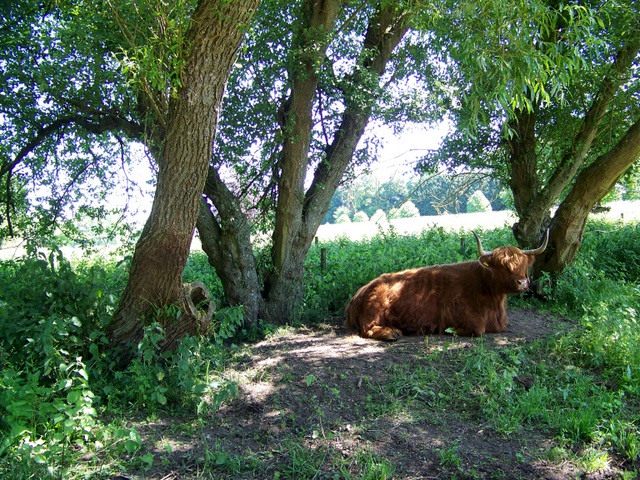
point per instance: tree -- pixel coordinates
(360, 217)
(379, 217)
(477, 202)
(341, 212)
(448, 193)
(65, 116)
(188, 126)
(165, 90)
(555, 112)
(309, 104)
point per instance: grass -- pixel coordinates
(62, 401)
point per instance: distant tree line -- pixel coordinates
(413, 196)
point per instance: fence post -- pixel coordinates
(323, 259)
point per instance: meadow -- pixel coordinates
(301, 401)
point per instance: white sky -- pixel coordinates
(401, 151)
(397, 157)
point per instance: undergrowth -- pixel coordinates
(57, 377)
(61, 397)
(586, 387)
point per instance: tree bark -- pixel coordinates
(298, 212)
(309, 47)
(533, 211)
(591, 185)
(227, 243)
(162, 250)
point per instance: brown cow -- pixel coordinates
(469, 298)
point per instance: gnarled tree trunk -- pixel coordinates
(385, 31)
(226, 240)
(155, 277)
(298, 212)
(533, 201)
(593, 183)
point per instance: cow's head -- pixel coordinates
(510, 265)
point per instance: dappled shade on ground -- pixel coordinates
(315, 399)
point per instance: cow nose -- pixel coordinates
(523, 283)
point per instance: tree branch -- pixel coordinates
(386, 29)
(105, 121)
(573, 159)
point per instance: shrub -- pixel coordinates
(406, 210)
(360, 217)
(341, 212)
(478, 203)
(56, 368)
(344, 218)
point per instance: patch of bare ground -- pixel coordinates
(314, 399)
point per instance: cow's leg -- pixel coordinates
(387, 334)
(469, 332)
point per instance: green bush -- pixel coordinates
(360, 217)
(56, 369)
(406, 210)
(51, 319)
(344, 218)
(613, 249)
(341, 214)
(478, 202)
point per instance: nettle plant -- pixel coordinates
(46, 400)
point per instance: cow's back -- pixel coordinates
(418, 301)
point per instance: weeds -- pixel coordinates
(56, 372)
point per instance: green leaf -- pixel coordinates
(310, 380)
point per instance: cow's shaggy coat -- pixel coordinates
(467, 298)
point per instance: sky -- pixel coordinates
(397, 157)
(402, 150)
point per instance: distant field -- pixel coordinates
(626, 211)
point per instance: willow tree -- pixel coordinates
(153, 72)
(314, 74)
(185, 107)
(555, 101)
(64, 116)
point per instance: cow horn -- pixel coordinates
(481, 252)
(541, 248)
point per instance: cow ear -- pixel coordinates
(531, 258)
(486, 260)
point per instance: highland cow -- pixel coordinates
(467, 299)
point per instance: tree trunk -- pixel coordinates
(162, 250)
(533, 212)
(227, 243)
(298, 213)
(309, 46)
(593, 183)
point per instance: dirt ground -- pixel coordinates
(313, 387)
